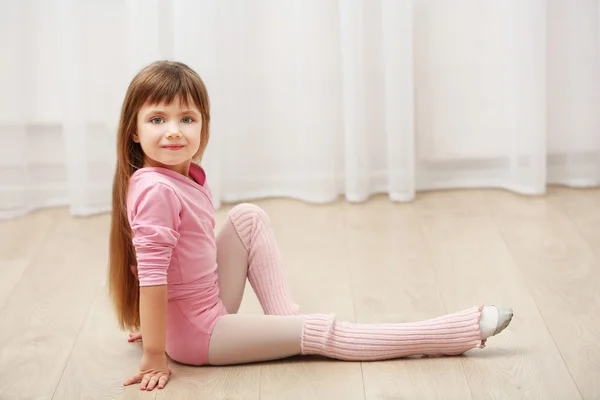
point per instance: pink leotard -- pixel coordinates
(172, 222)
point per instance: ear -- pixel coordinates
(136, 138)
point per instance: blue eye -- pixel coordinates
(187, 120)
(156, 120)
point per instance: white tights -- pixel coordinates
(248, 338)
(247, 249)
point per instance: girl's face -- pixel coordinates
(169, 135)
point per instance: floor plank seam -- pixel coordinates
(525, 281)
(438, 286)
(33, 256)
(584, 239)
(260, 379)
(362, 374)
(581, 235)
(430, 259)
(81, 326)
(350, 280)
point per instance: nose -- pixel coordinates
(173, 134)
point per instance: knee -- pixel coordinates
(247, 211)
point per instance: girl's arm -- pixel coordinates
(154, 220)
(154, 368)
(154, 212)
(153, 318)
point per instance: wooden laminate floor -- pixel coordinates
(372, 262)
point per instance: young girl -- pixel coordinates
(181, 285)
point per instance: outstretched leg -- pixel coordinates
(246, 248)
(252, 338)
(240, 338)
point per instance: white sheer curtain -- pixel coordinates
(311, 99)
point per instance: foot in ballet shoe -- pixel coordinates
(505, 315)
(494, 320)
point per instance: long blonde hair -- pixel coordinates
(161, 81)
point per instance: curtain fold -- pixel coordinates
(311, 99)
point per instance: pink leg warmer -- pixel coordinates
(265, 265)
(452, 334)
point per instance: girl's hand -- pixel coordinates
(133, 336)
(154, 372)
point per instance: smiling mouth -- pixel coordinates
(173, 147)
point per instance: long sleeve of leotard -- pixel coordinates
(154, 219)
